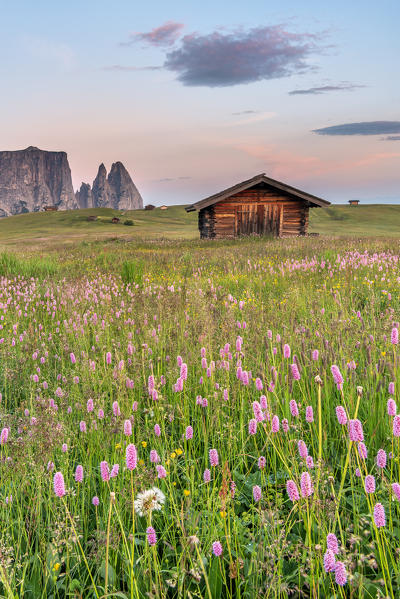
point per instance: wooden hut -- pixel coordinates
(51, 208)
(115, 220)
(259, 206)
(354, 202)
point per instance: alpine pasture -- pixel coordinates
(198, 419)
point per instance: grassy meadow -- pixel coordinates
(44, 230)
(203, 420)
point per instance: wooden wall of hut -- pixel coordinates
(257, 210)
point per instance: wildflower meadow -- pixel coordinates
(187, 419)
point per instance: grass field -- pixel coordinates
(203, 420)
(49, 229)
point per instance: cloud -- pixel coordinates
(163, 36)
(253, 117)
(240, 57)
(245, 112)
(119, 67)
(325, 88)
(363, 128)
(392, 138)
(170, 179)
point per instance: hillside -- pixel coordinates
(50, 228)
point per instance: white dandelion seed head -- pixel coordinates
(148, 501)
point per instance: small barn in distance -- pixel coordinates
(259, 206)
(354, 202)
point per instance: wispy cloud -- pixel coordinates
(163, 36)
(255, 118)
(240, 57)
(120, 67)
(245, 112)
(323, 89)
(363, 128)
(171, 179)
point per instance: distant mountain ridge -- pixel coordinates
(116, 191)
(32, 179)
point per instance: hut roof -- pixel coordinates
(226, 193)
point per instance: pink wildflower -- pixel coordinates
(309, 414)
(295, 371)
(362, 451)
(154, 457)
(306, 485)
(292, 491)
(161, 472)
(369, 484)
(131, 457)
(127, 428)
(104, 471)
(217, 548)
(114, 471)
(261, 462)
(340, 574)
(58, 483)
(381, 458)
(206, 475)
(302, 447)
(396, 490)
(257, 493)
(214, 459)
(309, 462)
(337, 376)
(341, 415)
(355, 430)
(4, 436)
(379, 515)
(151, 536)
(329, 561)
(79, 474)
(396, 426)
(332, 543)
(252, 426)
(275, 424)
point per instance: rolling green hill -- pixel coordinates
(51, 228)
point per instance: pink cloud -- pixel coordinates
(165, 35)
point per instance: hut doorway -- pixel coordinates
(259, 219)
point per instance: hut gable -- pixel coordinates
(260, 206)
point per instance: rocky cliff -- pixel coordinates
(31, 179)
(116, 191)
(84, 196)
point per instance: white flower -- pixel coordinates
(148, 501)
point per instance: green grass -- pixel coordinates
(42, 230)
(68, 227)
(91, 326)
(368, 220)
